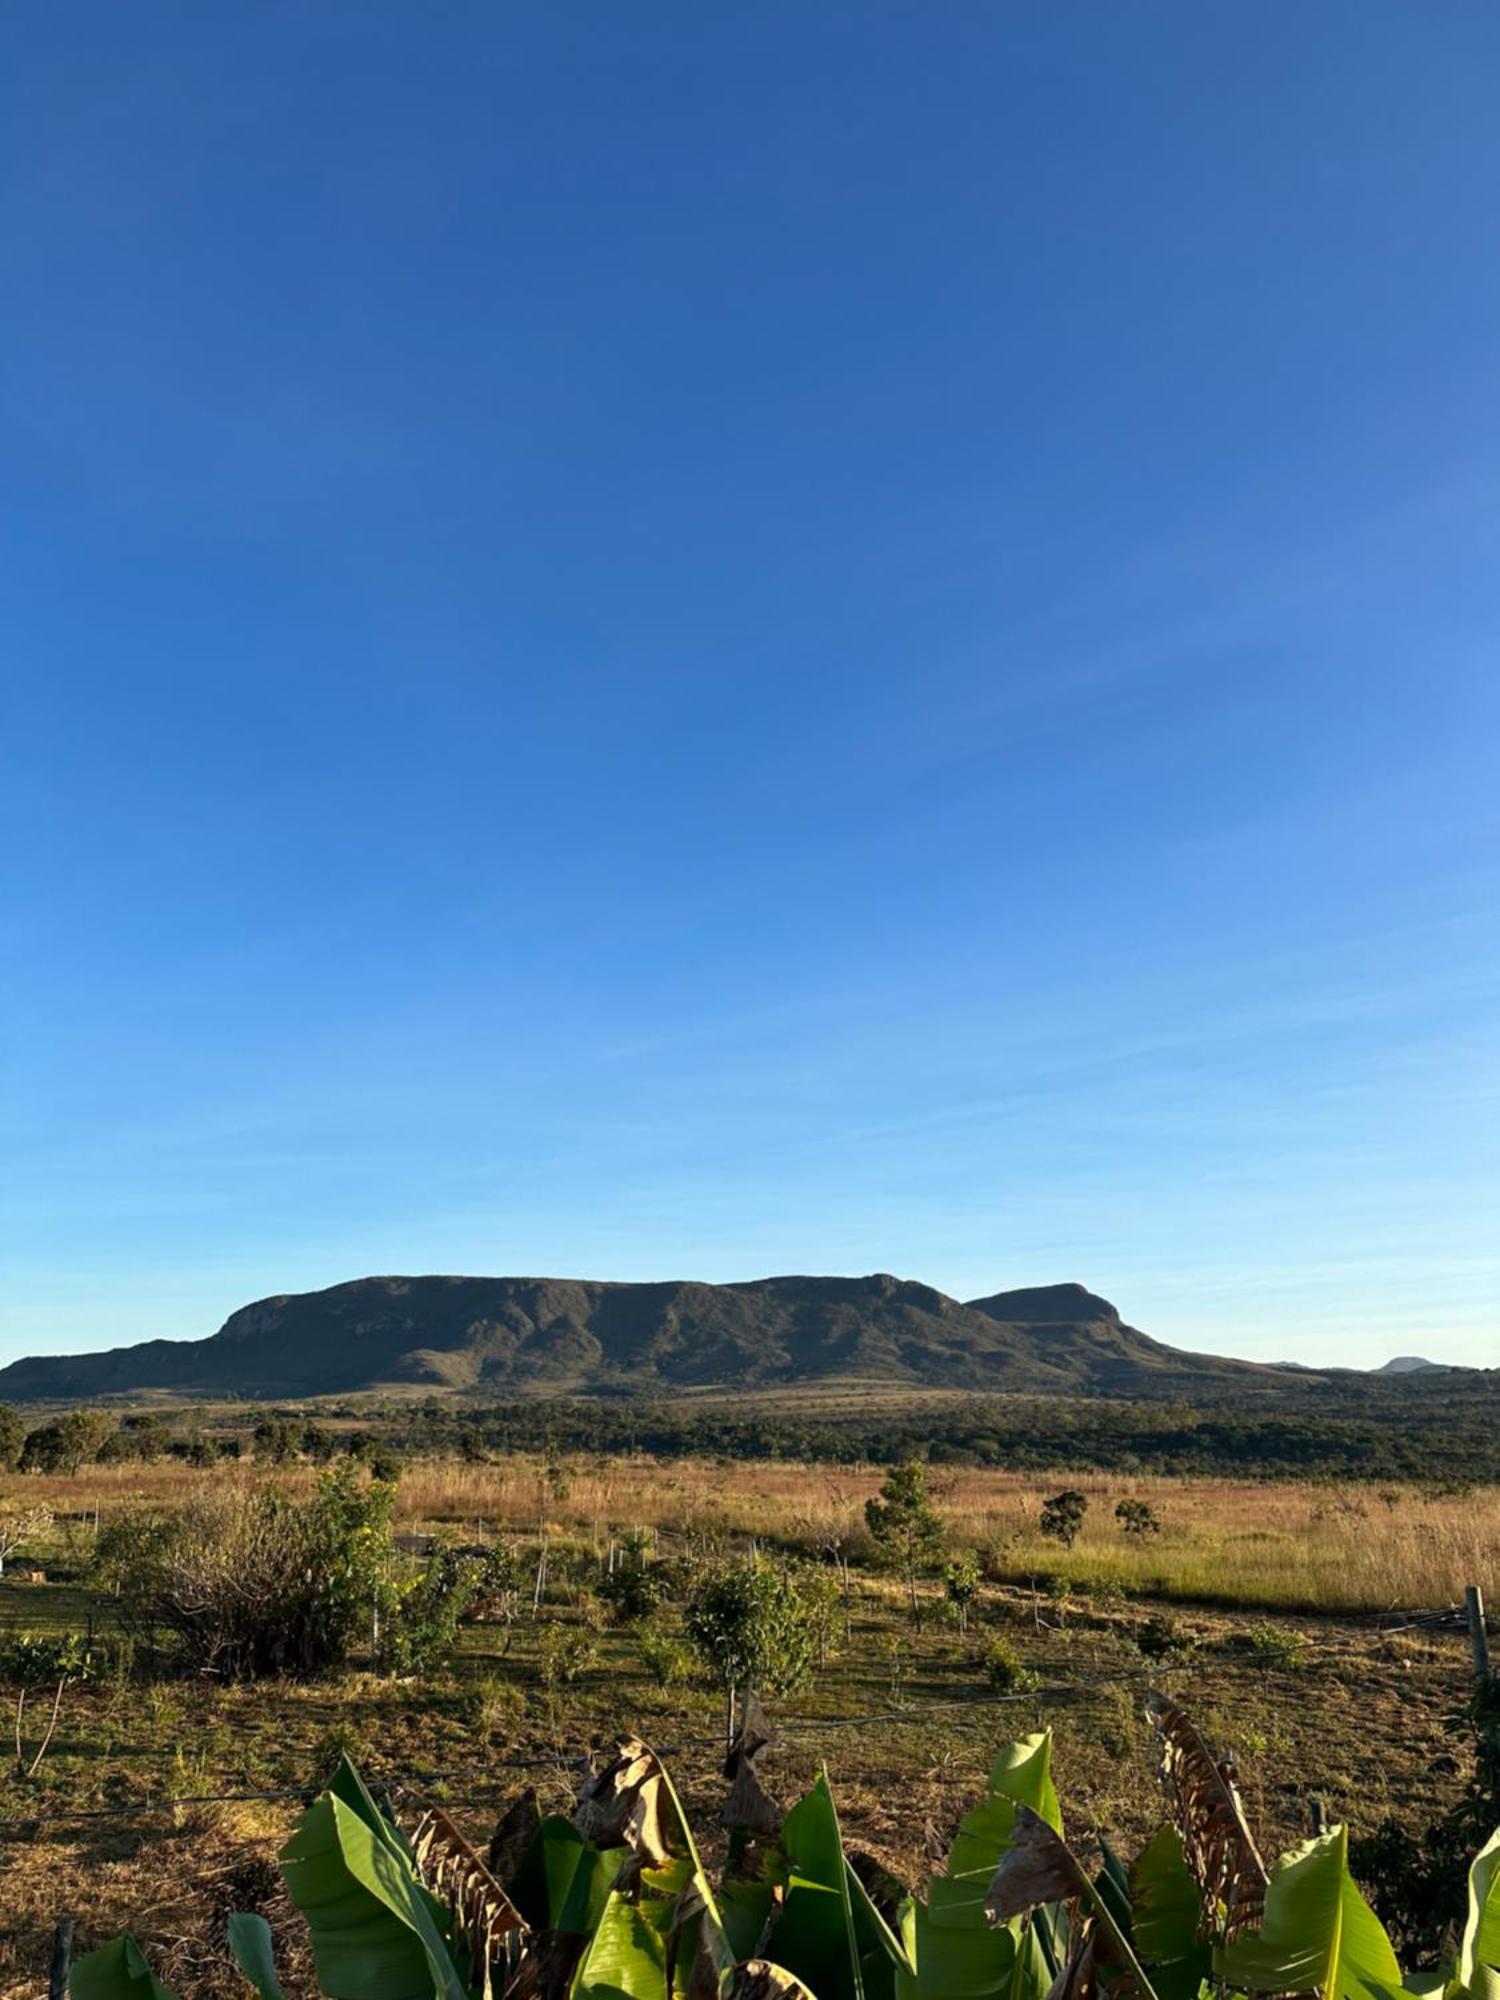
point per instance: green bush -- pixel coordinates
(564, 1655)
(751, 1629)
(1162, 1637)
(1138, 1518)
(1275, 1646)
(1003, 1667)
(1062, 1516)
(668, 1663)
(633, 1589)
(249, 1581)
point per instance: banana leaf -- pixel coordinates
(561, 1882)
(1164, 1918)
(250, 1942)
(957, 1953)
(829, 1934)
(116, 1971)
(1318, 1935)
(626, 1957)
(376, 1932)
(1479, 1953)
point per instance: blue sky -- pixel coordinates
(679, 641)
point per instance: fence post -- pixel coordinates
(62, 1958)
(1474, 1607)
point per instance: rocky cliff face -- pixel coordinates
(540, 1336)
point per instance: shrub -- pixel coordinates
(961, 1588)
(1062, 1516)
(822, 1598)
(633, 1589)
(1138, 1518)
(564, 1655)
(18, 1526)
(751, 1629)
(1003, 1667)
(1275, 1646)
(1162, 1636)
(667, 1663)
(247, 1582)
(421, 1617)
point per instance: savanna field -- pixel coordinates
(1262, 1607)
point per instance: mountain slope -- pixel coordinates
(553, 1336)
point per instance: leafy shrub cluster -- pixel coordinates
(246, 1581)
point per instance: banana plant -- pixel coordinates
(1478, 1969)
(614, 1903)
(955, 1947)
(1318, 1934)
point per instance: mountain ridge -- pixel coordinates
(534, 1337)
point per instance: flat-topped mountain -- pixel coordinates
(564, 1336)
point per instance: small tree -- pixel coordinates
(1062, 1516)
(29, 1663)
(905, 1525)
(961, 1587)
(750, 1628)
(822, 1598)
(82, 1434)
(145, 1437)
(20, 1525)
(1138, 1518)
(12, 1437)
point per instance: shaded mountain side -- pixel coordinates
(556, 1336)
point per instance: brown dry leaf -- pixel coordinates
(622, 1803)
(1217, 1842)
(1079, 1977)
(514, 1832)
(1036, 1868)
(750, 1807)
(483, 1915)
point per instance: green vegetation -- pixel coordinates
(1062, 1516)
(750, 1627)
(904, 1525)
(529, 1601)
(245, 1581)
(615, 1900)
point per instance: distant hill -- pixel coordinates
(1411, 1364)
(500, 1337)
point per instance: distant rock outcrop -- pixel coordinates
(556, 1336)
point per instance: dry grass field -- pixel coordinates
(1271, 1593)
(1253, 1543)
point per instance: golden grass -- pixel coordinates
(1281, 1545)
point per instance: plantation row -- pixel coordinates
(614, 1902)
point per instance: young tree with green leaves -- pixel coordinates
(751, 1629)
(961, 1588)
(905, 1526)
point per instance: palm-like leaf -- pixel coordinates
(957, 1953)
(1479, 1954)
(377, 1933)
(116, 1971)
(1217, 1843)
(1319, 1934)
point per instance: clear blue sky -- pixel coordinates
(693, 641)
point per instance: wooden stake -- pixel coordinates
(1474, 1607)
(62, 1958)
